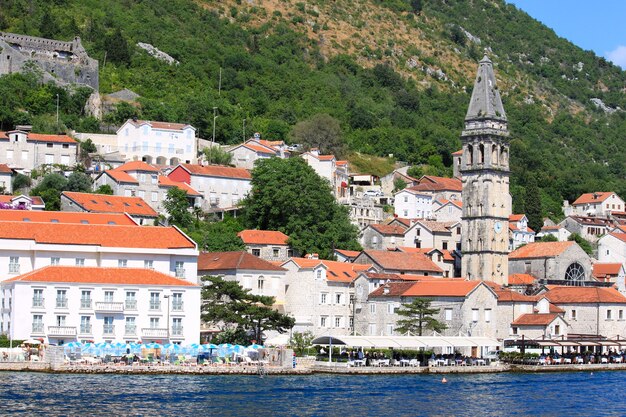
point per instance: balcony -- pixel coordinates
(109, 306)
(61, 303)
(108, 329)
(14, 268)
(155, 305)
(177, 306)
(61, 331)
(154, 333)
(130, 330)
(131, 305)
(85, 304)
(180, 272)
(38, 302)
(37, 328)
(85, 329)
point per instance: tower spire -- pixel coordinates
(485, 102)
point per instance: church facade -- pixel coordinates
(485, 174)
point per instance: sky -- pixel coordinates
(598, 26)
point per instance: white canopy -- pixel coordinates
(407, 342)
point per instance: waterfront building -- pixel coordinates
(62, 304)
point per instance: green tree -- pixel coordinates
(49, 189)
(21, 181)
(532, 204)
(177, 206)
(582, 242)
(219, 236)
(117, 48)
(79, 182)
(217, 155)
(398, 184)
(419, 317)
(241, 316)
(104, 189)
(301, 341)
(288, 195)
(320, 131)
(416, 171)
(548, 238)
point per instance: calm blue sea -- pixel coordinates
(555, 394)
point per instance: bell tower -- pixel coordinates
(485, 177)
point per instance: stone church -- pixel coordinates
(485, 174)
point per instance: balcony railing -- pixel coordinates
(177, 306)
(38, 302)
(176, 331)
(130, 330)
(180, 272)
(131, 305)
(155, 305)
(154, 333)
(85, 329)
(61, 331)
(108, 329)
(61, 302)
(38, 328)
(14, 268)
(109, 306)
(85, 303)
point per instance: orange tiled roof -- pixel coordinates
(541, 250)
(402, 261)
(102, 203)
(406, 222)
(97, 275)
(506, 295)
(601, 270)
(38, 137)
(554, 309)
(4, 169)
(447, 256)
(583, 295)
(263, 237)
(136, 166)
(96, 235)
(388, 229)
(592, 198)
(459, 152)
(217, 171)
(432, 183)
(535, 319)
(259, 148)
(348, 253)
(159, 125)
(437, 227)
(168, 182)
(65, 217)
(408, 277)
(120, 176)
(336, 271)
(521, 279)
(216, 261)
(620, 236)
(36, 200)
(427, 288)
(516, 217)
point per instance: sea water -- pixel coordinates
(531, 394)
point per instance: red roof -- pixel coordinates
(389, 229)
(121, 176)
(541, 250)
(217, 171)
(521, 279)
(136, 166)
(335, 271)
(401, 261)
(263, 237)
(348, 253)
(159, 125)
(96, 275)
(430, 288)
(102, 203)
(259, 148)
(606, 270)
(96, 235)
(407, 277)
(4, 168)
(36, 200)
(447, 256)
(216, 261)
(38, 137)
(516, 217)
(592, 198)
(535, 319)
(620, 236)
(583, 295)
(432, 183)
(168, 182)
(459, 152)
(65, 217)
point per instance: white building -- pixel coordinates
(26, 151)
(68, 303)
(447, 210)
(430, 234)
(612, 248)
(246, 154)
(413, 204)
(160, 143)
(27, 245)
(222, 187)
(328, 167)
(519, 232)
(600, 204)
(6, 176)
(559, 232)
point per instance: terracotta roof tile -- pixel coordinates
(620, 236)
(348, 253)
(602, 270)
(4, 169)
(159, 125)
(389, 229)
(457, 153)
(65, 217)
(215, 261)
(432, 183)
(401, 261)
(554, 309)
(516, 217)
(541, 250)
(437, 227)
(259, 148)
(96, 235)
(506, 295)
(36, 200)
(263, 237)
(120, 176)
(217, 171)
(96, 275)
(38, 137)
(521, 279)
(168, 182)
(102, 203)
(137, 166)
(592, 198)
(335, 271)
(535, 319)
(583, 295)
(427, 288)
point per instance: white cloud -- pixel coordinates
(618, 56)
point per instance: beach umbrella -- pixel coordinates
(88, 348)
(208, 347)
(172, 347)
(72, 346)
(225, 349)
(239, 349)
(155, 345)
(255, 347)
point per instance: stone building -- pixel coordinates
(399, 262)
(589, 227)
(6, 179)
(246, 154)
(485, 177)
(270, 245)
(61, 62)
(383, 236)
(26, 151)
(431, 234)
(598, 204)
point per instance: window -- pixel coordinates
(620, 314)
(61, 299)
(130, 326)
(180, 269)
(405, 213)
(49, 158)
(487, 315)
(417, 231)
(275, 252)
(177, 326)
(128, 193)
(318, 274)
(256, 252)
(154, 196)
(155, 303)
(372, 329)
(444, 245)
(372, 308)
(24, 155)
(131, 300)
(85, 299)
(390, 329)
(154, 322)
(85, 325)
(391, 308)
(80, 261)
(38, 297)
(572, 314)
(65, 159)
(141, 194)
(148, 264)
(108, 296)
(406, 198)
(37, 323)
(9, 153)
(177, 302)
(158, 147)
(61, 321)
(323, 298)
(557, 329)
(122, 263)
(14, 265)
(144, 146)
(575, 273)
(448, 312)
(260, 283)
(609, 314)
(55, 261)
(170, 148)
(514, 329)
(338, 298)
(323, 321)
(108, 327)
(338, 322)
(474, 315)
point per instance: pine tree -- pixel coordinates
(419, 317)
(532, 204)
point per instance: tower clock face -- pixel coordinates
(497, 227)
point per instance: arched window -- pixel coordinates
(470, 155)
(575, 274)
(481, 154)
(494, 155)
(504, 157)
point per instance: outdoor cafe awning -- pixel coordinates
(406, 342)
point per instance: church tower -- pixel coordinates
(485, 176)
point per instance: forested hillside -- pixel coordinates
(395, 74)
